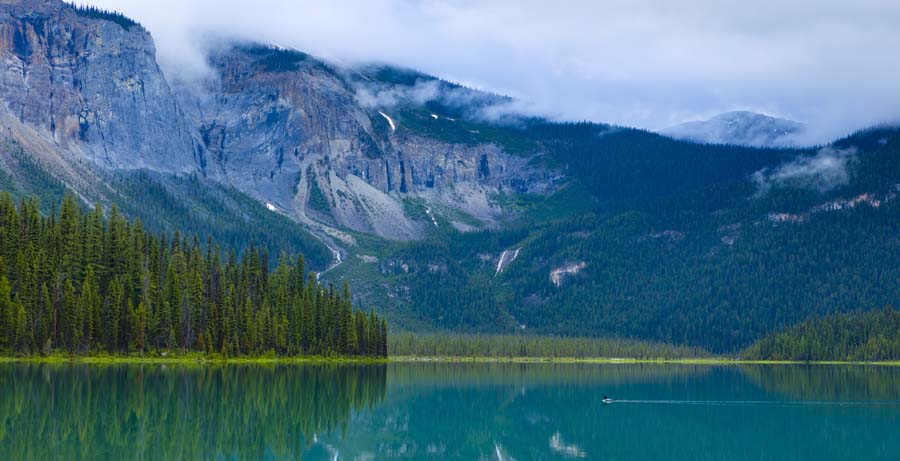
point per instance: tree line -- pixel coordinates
(857, 336)
(535, 346)
(93, 282)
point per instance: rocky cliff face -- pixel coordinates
(90, 86)
(290, 130)
(278, 125)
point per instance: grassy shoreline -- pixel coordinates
(320, 360)
(192, 359)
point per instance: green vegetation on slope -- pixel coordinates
(84, 284)
(857, 336)
(708, 267)
(22, 176)
(625, 167)
(168, 203)
(191, 205)
(93, 12)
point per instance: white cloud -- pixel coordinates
(648, 63)
(824, 171)
(422, 92)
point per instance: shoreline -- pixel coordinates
(193, 360)
(614, 361)
(319, 360)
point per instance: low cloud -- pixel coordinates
(473, 104)
(828, 169)
(647, 63)
(387, 97)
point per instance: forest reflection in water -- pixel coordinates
(444, 411)
(177, 411)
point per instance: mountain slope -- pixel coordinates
(84, 97)
(290, 130)
(718, 267)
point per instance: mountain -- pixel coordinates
(740, 128)
(82, 88)
(445, 210)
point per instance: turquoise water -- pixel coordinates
(449, 411)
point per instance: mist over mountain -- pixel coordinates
(741, 128)
(650, 64)
(445, 206)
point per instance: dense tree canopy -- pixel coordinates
(88, 283)
(500, 346)
(857, 336)
(717, 267)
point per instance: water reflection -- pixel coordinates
(553, 412)
(180, 412)
(448, 411)
(829, 383)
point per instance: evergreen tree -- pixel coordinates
(83, 283)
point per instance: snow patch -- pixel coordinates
(430, 215)
(389, 120)
(506, 258)
(557, 275)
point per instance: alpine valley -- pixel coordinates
(444, 209)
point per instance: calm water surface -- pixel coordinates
(448, 412)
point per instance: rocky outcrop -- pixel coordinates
(279, 125)
(92, 84)
(288, 129)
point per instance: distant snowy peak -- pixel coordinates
(741, 128)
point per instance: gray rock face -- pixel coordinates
(279, 125)
(289, 130)
(92, 82)
(740, 128)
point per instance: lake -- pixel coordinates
(449, 412)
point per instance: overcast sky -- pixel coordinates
(833, 64)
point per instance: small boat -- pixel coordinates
(606, 400)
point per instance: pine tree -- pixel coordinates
(89, 306)
(7, 314)
(81, 283)
(74, 318)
